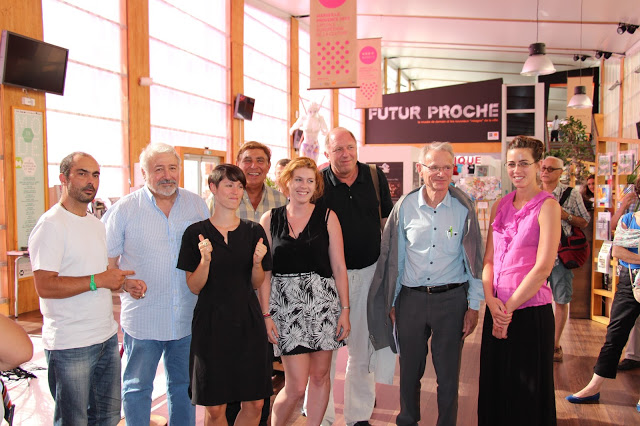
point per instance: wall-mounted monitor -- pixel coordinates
(243, 108)
(32, 64)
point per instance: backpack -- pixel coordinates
(573, 250)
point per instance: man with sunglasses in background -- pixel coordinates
(574, 213)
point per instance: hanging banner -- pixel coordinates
(369, 95)
(333, 44)
(469, 112)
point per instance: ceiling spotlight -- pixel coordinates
(584, 57)
(607, 55)
(598, 54)
(631, 28)
(622, 27)
(576, 57)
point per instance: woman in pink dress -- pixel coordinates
(516, 358)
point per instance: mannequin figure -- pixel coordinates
(311, 124)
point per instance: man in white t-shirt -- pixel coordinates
(68, 253)
(555, 129)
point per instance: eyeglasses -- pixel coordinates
(436, 169)
(550, 169)
(521, 164)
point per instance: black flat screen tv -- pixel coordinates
(32, 64)
(243, 108)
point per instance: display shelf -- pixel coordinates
(600, 319)
(601, 298)
(603, 292)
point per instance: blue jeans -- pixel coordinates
(141, 359)
(85, 384)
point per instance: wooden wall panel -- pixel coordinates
(335, 107)
(137, 58)
(294, 78)
(23, 17)
(237, 74)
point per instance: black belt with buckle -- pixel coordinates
(433, 289)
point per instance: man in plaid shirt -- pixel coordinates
(574, 213)
(254, 159)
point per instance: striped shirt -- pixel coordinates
(574, 205)
(148, 242)
(271, 199)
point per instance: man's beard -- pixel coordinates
(166, 192)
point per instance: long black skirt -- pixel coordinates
(516, 373)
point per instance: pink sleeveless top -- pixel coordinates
(516, 234)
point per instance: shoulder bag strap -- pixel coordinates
(563, 198)
(376, 185)
(565, 195)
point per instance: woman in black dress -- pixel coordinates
(306, 301)
(225, 259)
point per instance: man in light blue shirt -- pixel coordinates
(428, 280)
(145, 229)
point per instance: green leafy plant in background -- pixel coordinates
(270, 183)
(574, 149)
(633, 176)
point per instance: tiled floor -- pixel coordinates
(581, 342)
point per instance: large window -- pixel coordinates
(188, 64)
(631, 101)
(266, 70)
(91, 116)
(350, 117)
(611, 100)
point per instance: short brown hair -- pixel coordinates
(283, 162)
(535, 145)
(229, 171)
(254, 145)
(67, 162)
(302, 163)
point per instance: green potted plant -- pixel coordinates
(574, 148)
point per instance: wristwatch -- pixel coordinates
(569, 218)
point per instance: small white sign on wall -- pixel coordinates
(24, 268)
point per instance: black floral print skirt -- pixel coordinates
(305, 309)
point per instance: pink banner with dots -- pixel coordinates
(333, 44)
(369, 94)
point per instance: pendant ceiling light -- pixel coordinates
(537, 63)
(580, 100)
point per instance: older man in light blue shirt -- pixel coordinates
(428, 281)
(145, 229)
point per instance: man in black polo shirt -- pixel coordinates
(349, 190)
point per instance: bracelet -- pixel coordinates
(266, 315)
(92, 283)
(346, 307)
(124, 288)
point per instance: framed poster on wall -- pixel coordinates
(30, 171)
(393, 172)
